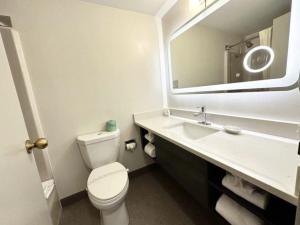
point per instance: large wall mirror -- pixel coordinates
(234, 44)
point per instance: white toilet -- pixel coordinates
(108, 182)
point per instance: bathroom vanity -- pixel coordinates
(199, 156)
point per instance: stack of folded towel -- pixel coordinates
(232, 211)
(150, 148)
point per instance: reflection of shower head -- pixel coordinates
(249, 44)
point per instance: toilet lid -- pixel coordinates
(107, 181)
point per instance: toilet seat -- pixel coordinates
(108, 184)
(111, 203)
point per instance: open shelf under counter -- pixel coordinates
(278, 211)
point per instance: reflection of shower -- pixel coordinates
(235, 54)
(246, 43)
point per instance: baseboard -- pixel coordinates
(83, 194)
(73, 198)
(142, 170)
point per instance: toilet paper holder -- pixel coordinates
(130, 145)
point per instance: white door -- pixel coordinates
(22, 200)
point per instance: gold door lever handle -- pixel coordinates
(40, 143)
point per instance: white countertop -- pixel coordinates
(267, 161)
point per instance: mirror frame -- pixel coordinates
(288, 82)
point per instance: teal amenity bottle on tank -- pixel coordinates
(111, 125)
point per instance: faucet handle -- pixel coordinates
(202, 108)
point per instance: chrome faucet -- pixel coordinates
(202, 111)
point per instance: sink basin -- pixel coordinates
(190, 131)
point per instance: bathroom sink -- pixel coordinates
(190, 131)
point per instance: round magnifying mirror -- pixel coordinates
(258, 59)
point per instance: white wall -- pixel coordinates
(88, 64)
(269, 105)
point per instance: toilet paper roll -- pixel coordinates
(150, 150)
(130, 146)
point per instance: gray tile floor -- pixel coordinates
(153, 199)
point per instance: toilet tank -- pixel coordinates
(101, 148)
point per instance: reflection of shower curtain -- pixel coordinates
(265, 37)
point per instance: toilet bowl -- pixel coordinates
(107, 187)
(108, 182)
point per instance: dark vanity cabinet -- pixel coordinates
(189, 171)
(203, 181)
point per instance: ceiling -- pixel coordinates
(143, 6)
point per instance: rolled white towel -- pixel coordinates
(150, 150)
(246, 190)
(234, 181)
(149, 137)
(234, 213)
